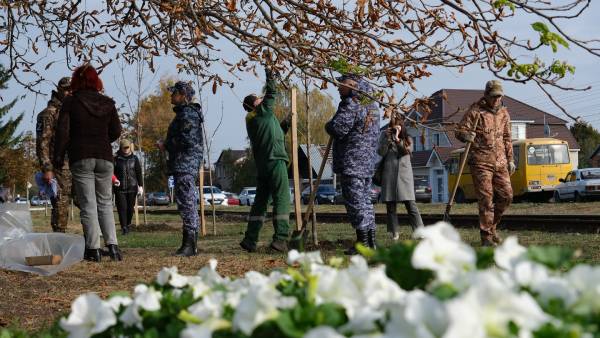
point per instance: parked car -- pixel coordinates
(37, 201)
(422, 190)
(157, 198)
(217, 194)
(325, 194)
(579, 185)
(20, 200)
(232, 199)
(247, 196)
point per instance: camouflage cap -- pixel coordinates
(352, 77)
(494, 88)
(184, 88)
(64, 83)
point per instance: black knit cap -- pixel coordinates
(249, 102)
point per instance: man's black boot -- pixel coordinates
(92, 255)
(371, 238)
(114, 252)
(362, 237)
(188, 244)
(125, 229)
(279, 245)
(248, 245)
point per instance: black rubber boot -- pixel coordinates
(279, 245)
(125, 230)
(188, 244)
(371, 239)
(247, 245)
(114, 252)
(92, 255)
(362, 237)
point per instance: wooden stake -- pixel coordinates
(201, 196)
(137, 214)
(313, 226)
(296, 172)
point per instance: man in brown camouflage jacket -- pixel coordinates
(45, 130)
(490, 158)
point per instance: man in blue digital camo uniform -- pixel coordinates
(185, 148)
(355, 130)
(267, 139)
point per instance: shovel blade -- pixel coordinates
(298, 240)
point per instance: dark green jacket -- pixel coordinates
(267, 135)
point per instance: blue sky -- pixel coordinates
(232, 134)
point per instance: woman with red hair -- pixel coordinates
(87, 125)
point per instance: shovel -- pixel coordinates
(299, 236)
(463, 161)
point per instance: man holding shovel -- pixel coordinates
(267, 139)
(45, 130)
(490, 158)
(355, 131)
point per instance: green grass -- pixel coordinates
(466, 208)
(149, 248)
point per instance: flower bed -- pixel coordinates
(436, 287)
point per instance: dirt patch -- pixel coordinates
(156, 227)
(43, 299)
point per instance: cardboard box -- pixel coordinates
(43, 260)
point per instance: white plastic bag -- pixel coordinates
(17, 242)
(15, 221)
(14, 251)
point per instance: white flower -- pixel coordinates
(145, 298)
(379, 289)
(89, 315)
(323, 332)
(419, 315)
(442, 251)
(209, 274)
(171, 276)
(486, 308)
(527, 273)
(304, 258)
(555, 288)
(363, 320)
(117, 301)
(336, 286)
(196, 331)
(199, 287)
(260, 304)
(510, 253)
(204, 330)
(585, 280)
(210, 306)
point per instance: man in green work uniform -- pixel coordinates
(267, 139)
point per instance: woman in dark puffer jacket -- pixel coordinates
(129, 175)
(87, 125)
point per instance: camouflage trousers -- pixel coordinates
(494, 195)
(60, 208)
(185, 197)
(357, 199)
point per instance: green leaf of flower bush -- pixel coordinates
(485, 258)
(444, 292)
(554, 257)
(397, 259)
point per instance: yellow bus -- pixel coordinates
(540, 163)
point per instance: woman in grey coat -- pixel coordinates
(397, 183)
